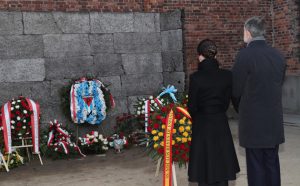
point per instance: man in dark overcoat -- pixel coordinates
(258, 75)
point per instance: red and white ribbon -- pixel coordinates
(6, 109)
(35, 124)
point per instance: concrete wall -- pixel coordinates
(134, 52)
(291, 96)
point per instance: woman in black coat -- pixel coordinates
(213, 159)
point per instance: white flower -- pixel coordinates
(101, 137)
(24, 121)
(96, 133)
(12, 127)
(71, 145)
(24, 127)
(12, 108)
(152, 101)
(12, 161)
(144, 99)
(143, 107)
(14, 102)
(25, 111)
(17, 106)
(162, 100)
(55, 149)
(18, 118)
(95, 140)
(151, 97)
(138, 112)
(155, 104)
(12, 122)
(19, 134)
(141, 102)
(20, 137)
(143, 112)
(151, 109)
(18, 101)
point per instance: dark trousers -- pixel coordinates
(263, 167)
(223, 183)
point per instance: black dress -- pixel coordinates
(212, 156)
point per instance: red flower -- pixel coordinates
(178, 116)
(158, 117)
(156, 126)
(175, 159)
(164, 109)
(177, 152)
(149, 129)
(171, 105)
(18, 112)
(164, 120)
(19, 124)
(160, 150)
(182, 146)
(149, 121)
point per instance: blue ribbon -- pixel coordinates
(171, 90)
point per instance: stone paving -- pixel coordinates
(134, 168)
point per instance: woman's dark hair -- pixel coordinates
(207, 48)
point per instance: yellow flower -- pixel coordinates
(189, 122)
(174, 131)
(153, 132)
(181, 129)
(187, 128)
(160, 134)
(178, 139)
(184, 118)
(190, 139)
(173, 142)
(155, 145)
(155, 138)
(162, 143)
(181, 121)
(163, 126)
(184, 140)
(185, 134)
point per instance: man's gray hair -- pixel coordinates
(256, 26)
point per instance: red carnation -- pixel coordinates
(182, 147)
(178, 116)
(149, 121)
(163, 120)
(160, 150)
(156, 126)
(149, 129)
(164, 109)
(18, 112)
(175, 159)
(19, 124)
(158, 117)
(176, 152)
(171, 105)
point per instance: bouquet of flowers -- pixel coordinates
(93, 143)
(20, 118)
(132, 127)
(181, 133)
(60, 142)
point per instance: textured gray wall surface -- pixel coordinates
(136, 53)
(290, 95)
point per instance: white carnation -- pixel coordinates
(25, 111)
(152, 101)
(151, 97)
(138, 112)
(18, 101)
(12, 127)
(95, 140)
(14, 102)
(24, 127)
(12, 108)
(96, 133)
(24, 121)
(155, 104)
(18, 118)
(19, 134)
(17, 106)
(143, 112)
(12, 122)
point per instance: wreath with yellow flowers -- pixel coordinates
(182, 132)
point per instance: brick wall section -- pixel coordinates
(287, 32)
(219, 20)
